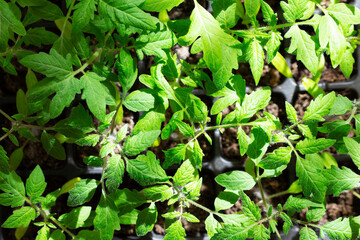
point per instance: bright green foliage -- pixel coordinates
(82, 192)
(338, 229)
(52, 146)
(122, 12)
(304, 46)
(139, 142)
(22, 216)
(82, 86)
(76, 218)
(236, 180)
(146, 170)
(114, 172)
(106, 219)
(220, 52)
(340, 179)
(175, 231)
(35, 184)
(160, 5)
(307, 234)
(14, 190)
(146, 220)
(311, 178)
(51, 65)
(309, 146)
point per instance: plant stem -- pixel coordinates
(45, 216)
(6, 134)
(115, 116)
(353, 112)
(355, 193)
(304, 223)
(261, 188)
(67, 17)
(7, 116)
(201, 207)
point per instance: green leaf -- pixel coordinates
(250, 209)
(279, 157)
(96, 94)
(308, 234)
(8, 21)
(43, 233)
(14, 188)
(297, 204)
(259, 145)
(345, 14)
(220, 50)
(76, 218)
(319, 107)
(52, 146)
(84, 12)
(139, 142)
(354, 150)
(261, 232)
(146, 220)
(126, 12)
(175, 155)
(311, 178)
(225, 13)
(190, 218)
(158, 193)
(315, 214)
(185, 173)
(146, 170)
(294, 10)
(57, 235)
(223, 103)
(126, 200)
(47, 11)
(129, 218)
(340, 179)
(88, 235)
(252, 7)
(127, 70)
(338, 229)
(39, 36)
(254, 102)
(309, 146)
(269, 15)
(243, 140)
(22, 216)
(291, 113)
(4, 161)
(159, 5)
(106, 219)
(329, 32)
(347, 63)
(175, 231)
(93, 161)
(140, 100)
(341, 105)
(236, 180)
(256, 56)
(195, 153)
(304, 46)
(114, 172)
(82, 192)
(211, 224)
(51, 65)
(35, 184)
(155, 42)
(231, 232)
(226, 200)
(272, 47)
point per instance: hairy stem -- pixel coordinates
(7, 116)
(261, 188)
(6, 134)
